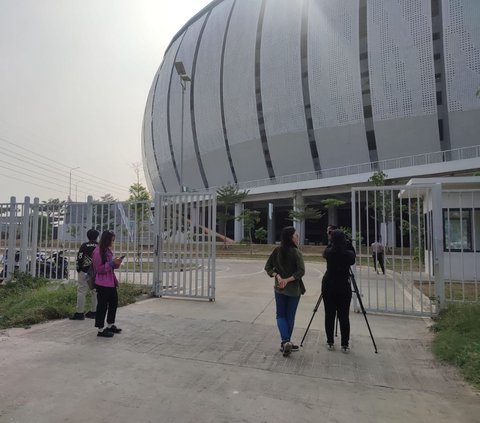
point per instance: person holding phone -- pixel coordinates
(104, 263)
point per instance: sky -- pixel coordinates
(74, 79)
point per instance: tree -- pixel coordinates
(304, 214)
(138, 193)
(332, 203)
(108, 198)
(139, 201)
(227, 197)
(104, 212)
(250, 218)
(261, 234)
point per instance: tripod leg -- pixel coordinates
(313, 315)
(355, 287)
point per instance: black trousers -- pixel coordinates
(337, 304)
(379, 257)
(107, 299)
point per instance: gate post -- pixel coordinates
(36, 205)
(11, 238)
(438, 259)
(157, 245)
(24, 236)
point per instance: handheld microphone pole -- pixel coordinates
(355, 287)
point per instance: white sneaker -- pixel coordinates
(345, 349)
(330, 347)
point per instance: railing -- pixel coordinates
(381, 165)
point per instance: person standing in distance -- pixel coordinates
(336, 289)
(286, 265)
(85, 281)
(377, 254)
(104, 263)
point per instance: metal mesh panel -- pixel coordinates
(280, 69)
(462, 53)
(160, 132)
(401, 59)
(147, 147)
(185, 54)
(241, 118)
(207, 81)
(207, 92)
(239, 73)
(334, 69)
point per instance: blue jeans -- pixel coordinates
(286, 309)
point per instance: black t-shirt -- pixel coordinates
(84, 256)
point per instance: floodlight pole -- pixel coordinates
(184, 78)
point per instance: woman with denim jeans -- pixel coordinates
(286, 265)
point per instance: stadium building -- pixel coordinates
(300, 100)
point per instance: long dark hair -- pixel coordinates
(339, 240)
(106, 241)
(286, 242)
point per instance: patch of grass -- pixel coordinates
(457, 339)
(27, 300)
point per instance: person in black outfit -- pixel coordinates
(336, 289)
(85, 282)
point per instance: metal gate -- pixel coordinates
(184, 256)
(43, 238)
(406, 223)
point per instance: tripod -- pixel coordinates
(355, 290)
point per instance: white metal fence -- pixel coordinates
(185, 250)
(43, 238)
(431, 247)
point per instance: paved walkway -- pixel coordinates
(195, 361)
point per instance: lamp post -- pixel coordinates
(184, 78)
(70, 183)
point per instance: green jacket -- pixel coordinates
(292, 266)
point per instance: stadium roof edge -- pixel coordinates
(209, 6)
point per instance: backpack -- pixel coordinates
(91, 276)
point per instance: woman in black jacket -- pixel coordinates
(336, 288)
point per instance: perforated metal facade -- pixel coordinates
(281, 87)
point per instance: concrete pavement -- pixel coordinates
(196, 361)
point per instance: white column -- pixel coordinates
(238, 224)
(299, 205)
(270, 225)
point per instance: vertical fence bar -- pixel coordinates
(438, 243)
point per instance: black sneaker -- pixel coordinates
(113, 329)
(90, 314)
(78, 316)
(105, 334)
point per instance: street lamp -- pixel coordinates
(184, 78)
(70, 183)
